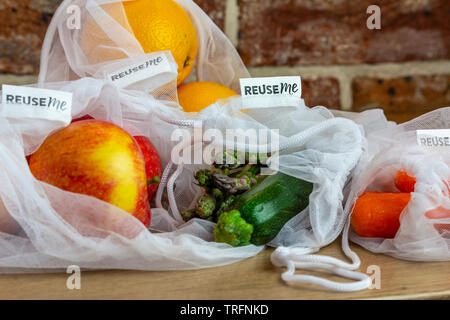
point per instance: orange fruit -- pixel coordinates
(196, 96)
(158, 25)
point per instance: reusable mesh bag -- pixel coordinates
(45, 228)
(424, 233)
(312, 145)
(63, 58)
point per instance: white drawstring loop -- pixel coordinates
(300, 258)
(293, 258)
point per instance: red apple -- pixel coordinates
(152, 160)
(98, 159)
(86, 117)
(153, 167)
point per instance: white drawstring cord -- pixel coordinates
(170, 193)
(300, 138)
(162, 184)
(157, 106)
(295, 140)
(292, 260)
(300, 258)
(168, 180)
(180, 123)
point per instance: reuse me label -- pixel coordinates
(435, 138)
(154, 65)
(36, 103)
(269, 92)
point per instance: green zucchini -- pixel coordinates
(258, 215)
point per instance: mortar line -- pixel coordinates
(345, 91)
(232, 21)
(17, 79)
(382, 70)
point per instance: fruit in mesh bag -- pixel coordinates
(98, 159)
(153, 166)
(196, 96)
(158, 25)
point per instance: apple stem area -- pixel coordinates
(154, 180)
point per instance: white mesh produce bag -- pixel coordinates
(63, 58)
(46, 228)
(313, 145)
(424, 233)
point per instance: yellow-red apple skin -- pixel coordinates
(99, 159)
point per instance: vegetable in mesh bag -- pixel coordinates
(416, 225)
(314, 157)
(247, 206)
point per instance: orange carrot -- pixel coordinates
(404, 182)
(376, 214)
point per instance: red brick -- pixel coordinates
(23, 24)
(408, 95)
(290, 32)
(321, 92)
(215, 9)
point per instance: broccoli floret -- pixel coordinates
(231, 228)
(203, 177)
(206, 206)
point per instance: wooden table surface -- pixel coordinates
(251, 279)
(254, 278)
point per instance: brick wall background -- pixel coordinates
(403, 68)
